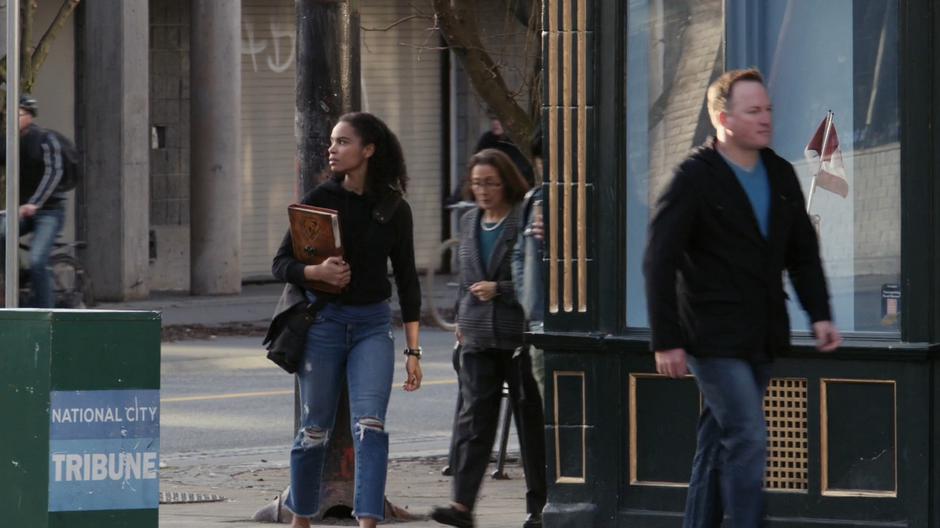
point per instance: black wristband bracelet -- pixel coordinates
(416, 352)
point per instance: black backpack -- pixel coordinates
(71, 161)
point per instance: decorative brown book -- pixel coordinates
(316, 236)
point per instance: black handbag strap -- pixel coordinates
(317, 305)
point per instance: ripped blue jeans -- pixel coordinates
(353, 344)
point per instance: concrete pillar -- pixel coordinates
(215, 168)
(115, 214)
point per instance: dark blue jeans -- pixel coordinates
(352, 345)
(731, 456)
(45, 226)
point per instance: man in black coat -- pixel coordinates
(726, 226)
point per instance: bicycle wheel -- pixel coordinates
(436, 316)
(68, 281)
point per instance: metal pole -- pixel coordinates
(328, 79)
(350, 62)
(319, 98)
(319, 85)
(13, 155)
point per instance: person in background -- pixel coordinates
(496, 138)
(527, 266)
(351, 338)
(723, 231)
(42, 199)
(490, 324)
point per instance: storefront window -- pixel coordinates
(817, 56)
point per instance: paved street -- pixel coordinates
(222, 399)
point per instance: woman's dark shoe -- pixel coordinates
(453, 517)
(533, 520)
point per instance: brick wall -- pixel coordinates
(860, 234)
(169, 108)
(169, 162)
(691, 43)
(877, 197)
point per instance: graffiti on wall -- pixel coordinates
(274, 49)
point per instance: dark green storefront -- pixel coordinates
(853, 433)
(80, 414)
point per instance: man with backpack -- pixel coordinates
(48, 169)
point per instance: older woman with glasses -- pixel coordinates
(490, 325)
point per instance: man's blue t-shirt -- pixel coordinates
(757, 187)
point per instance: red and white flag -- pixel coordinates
(823, 153)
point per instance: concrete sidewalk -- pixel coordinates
(255, 304)
(415, 485)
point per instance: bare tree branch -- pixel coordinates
(485, 63)
(456, 21)
(534, 42)
(45, 43)
(398, 22)
(32, 58)
(26, 40)
(423, 47)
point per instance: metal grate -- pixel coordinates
(787, 449)
(176, 497)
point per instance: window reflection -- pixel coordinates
(674, 51)
(817, 56)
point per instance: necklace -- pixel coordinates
(492, 227)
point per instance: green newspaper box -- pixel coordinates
(80, 415)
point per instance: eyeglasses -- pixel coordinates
(486, 184)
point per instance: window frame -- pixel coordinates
(920, 165)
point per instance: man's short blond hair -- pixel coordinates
(719, 93)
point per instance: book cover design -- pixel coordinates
(316, 236)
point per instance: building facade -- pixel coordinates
(402, 82)
(120, 81)
(851, 434)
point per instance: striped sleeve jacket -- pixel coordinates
(500, 322)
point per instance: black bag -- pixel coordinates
(71, 166)
(287, 334)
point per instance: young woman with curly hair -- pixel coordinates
(351, 339)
